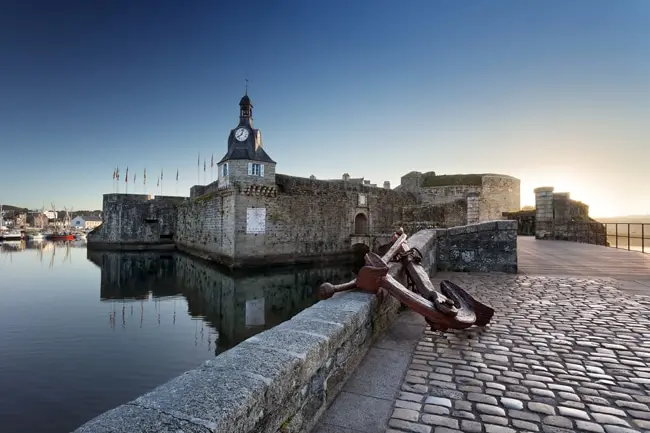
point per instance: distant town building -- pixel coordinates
(50, 214)
(86, 222)
(37, 219)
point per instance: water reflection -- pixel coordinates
(43, 249)
(235, 305)
(79, 337)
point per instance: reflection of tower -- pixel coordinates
(255, 312)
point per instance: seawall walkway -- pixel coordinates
(568, 350)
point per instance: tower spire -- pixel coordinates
(246, 80)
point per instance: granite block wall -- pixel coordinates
(485, 247)
(449, 214)
(205, 226)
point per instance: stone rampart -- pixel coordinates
(280, 380)
(136, 221)
(487, 195)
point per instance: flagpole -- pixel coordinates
(198, 169)
(161, 181)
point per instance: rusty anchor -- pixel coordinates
(451, 307)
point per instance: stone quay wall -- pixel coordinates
(136, 222)
(280, 380)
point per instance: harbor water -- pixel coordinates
(82, 332)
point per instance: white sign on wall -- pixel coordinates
(362, 199)
(255, 312)
(256, 220)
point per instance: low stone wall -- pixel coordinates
(280, 380)
(587, 232)
(485, 247)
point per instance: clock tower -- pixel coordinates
(246, 161)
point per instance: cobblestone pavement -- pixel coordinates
(560, 355)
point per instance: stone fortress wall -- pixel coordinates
(137, 221)
(304, 219)
(252, 216)
(557, 216)
(477, 197)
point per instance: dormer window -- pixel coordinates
(255, 169)
(224, 170)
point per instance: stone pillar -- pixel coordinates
(346, 177)
(473, 204)
(386, 184)
(544, 212)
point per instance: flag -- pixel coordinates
(134, 176)
(126, 178)
(161, 174)
(158, 183)
(176, 175)
(145, 176)
(114, 173)
(117, 174)
(198, 160)
(212, 161)
(203, 164)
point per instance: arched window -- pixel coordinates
(361, 224)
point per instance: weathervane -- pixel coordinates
(246, 80)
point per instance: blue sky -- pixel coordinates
(552, 92)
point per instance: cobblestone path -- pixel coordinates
(560, 355)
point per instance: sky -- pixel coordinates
(555, 93)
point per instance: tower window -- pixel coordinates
(255, 169)
(224, 170)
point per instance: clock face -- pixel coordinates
(241, 134)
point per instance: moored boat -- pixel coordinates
(36, 236)
(61, 237)
(11, 236)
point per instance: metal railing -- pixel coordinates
(629, 236)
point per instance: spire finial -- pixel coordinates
(246, 79)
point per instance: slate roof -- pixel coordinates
(246, 149)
